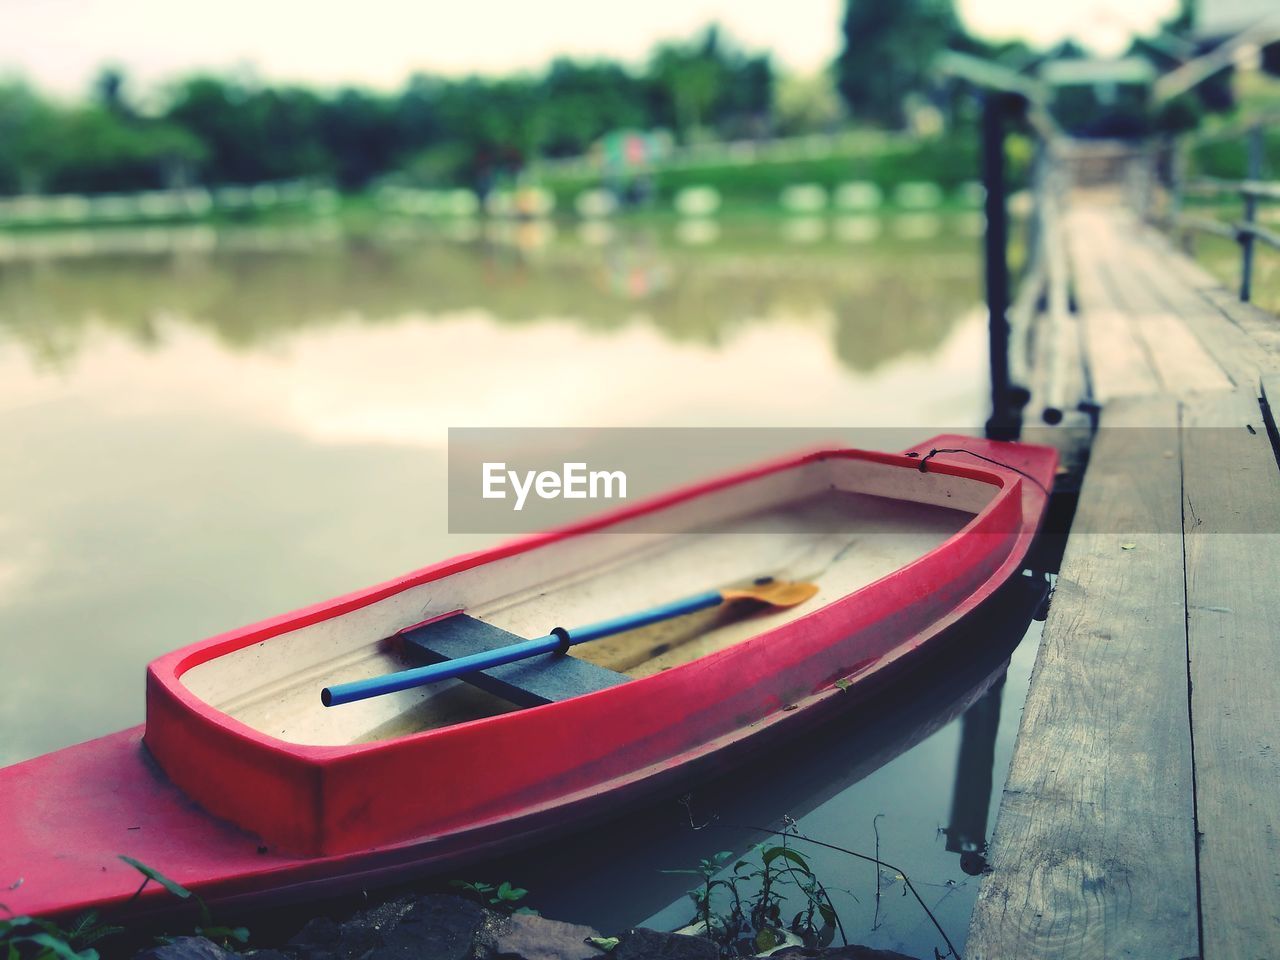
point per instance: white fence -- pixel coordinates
(156, 205)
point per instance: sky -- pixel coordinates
(59, 45)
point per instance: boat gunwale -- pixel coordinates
(166, 671)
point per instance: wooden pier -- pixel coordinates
(1141, 818)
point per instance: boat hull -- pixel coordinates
(293, 820)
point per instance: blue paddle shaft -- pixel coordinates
(634, 621)
(405, 679)
(460, 666)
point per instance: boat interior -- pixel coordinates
(839, 522)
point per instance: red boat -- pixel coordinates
(243, 785)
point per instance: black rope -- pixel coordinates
(999, 463)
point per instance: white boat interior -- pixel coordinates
(841, 523)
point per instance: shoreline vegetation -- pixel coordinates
(701, 125)
(815, 176)
(740, 909)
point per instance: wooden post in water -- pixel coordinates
(1005, 422)
(1250, 212)
(966, 829)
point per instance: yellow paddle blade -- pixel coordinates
(776, 593)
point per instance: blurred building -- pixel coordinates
(1214, 21)
(1093, 97)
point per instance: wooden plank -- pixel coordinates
(1105, 243)
(1181, 364)
(1064, 384)
(1186, 290)
(1071, 435)
(1269, 391)
(1188, 269)
(1085, 230)
(1117, 244)
(1261, 327)
(1058, 384)
(1093, 854)
(1232, 522)
(1180, 263)
(529, 683)
(1247, 324)
(1117, 363)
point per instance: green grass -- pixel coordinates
(1221, 150)
(1221, 257)
(948, 161)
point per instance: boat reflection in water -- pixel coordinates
(618, 875)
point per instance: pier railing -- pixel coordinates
(1250, 192)
(1010, 100)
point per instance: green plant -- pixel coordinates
(206, 928)
(503, 897)
(715, 926)
(752, 922)
(30, 938)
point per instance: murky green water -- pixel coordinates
(200, 429)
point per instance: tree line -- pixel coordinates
(234, 130)
(216, 129)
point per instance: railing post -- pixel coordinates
(1250, 213)
(1005, 422)
(1177, 179)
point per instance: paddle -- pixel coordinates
(775, 593)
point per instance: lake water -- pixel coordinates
(203, 428)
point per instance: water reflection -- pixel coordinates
(698, 281)
(971, 799)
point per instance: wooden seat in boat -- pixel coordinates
(527, 683)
